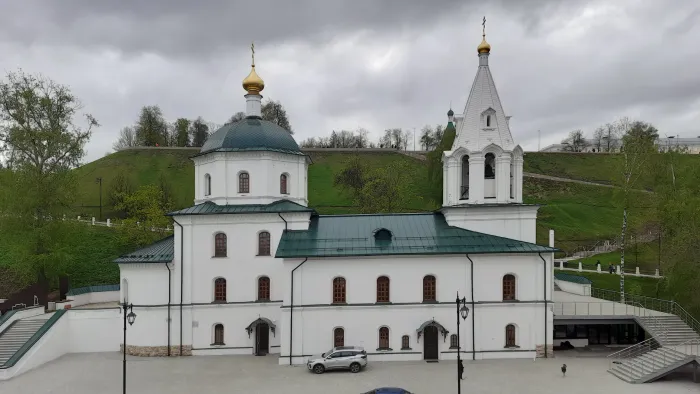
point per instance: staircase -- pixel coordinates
(17, 334)
(649, 366)
(668, 330)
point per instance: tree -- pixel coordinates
(435, 161)
(237, 117)
(274, 112)
(611, 137)
(127, 139)
(119, 188)
(166, 193)
(145, 216)
(386, 189)
(427, 138)
(42, 143)
(598, 135)
(641, 133)
(575, 142)
(182, 132)
(353, 176)
(394, 138)
(151, 128)
(199, 131)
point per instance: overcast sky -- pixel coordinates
(558, 65)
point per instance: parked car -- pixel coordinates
(353, 358)
(388, 390)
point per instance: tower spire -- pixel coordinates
(253, 85)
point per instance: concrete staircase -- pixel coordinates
(668, 330)
(650, 366)
(17, 334)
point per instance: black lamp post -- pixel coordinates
(463, 312)
(99, 180)
(130, 317)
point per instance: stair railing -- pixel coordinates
(630, 355)
(686, 317)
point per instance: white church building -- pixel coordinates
(253, 270)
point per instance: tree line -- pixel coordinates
(610, 137)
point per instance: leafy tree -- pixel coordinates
(42, 143)
(435, 161)
(237, 117)
(120, 187)
(182, 132)
(575, 142)
(274, 112)
(199, 131)
(127, 139)
(641, 133)
(151, 128)
(427, 138)
(145, 216)
(386, 189)
(166, 192)
(353, 176)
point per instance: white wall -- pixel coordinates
(94, 330)
(511, 221)
(264, 169)
(574, 288)
(90, 298)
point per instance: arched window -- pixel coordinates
(488, 120)
(405, 342)
(429, 288)
(508, 287)
(490, 166)
(382, 235)
(338, 337)
(453, 341)
(243, 182)
(510, 335)
(125, 290)
(382, 289)
(220, 290)
(263, 243)
(384, 338)
(263, 288)
(339, 290)
(512, 172)
(464, 192)
(220, 245)
(207, 185)
(283, 184)
(219, 334)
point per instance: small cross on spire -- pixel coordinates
(252, 49)
(483, 28)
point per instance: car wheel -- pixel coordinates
(319, 369)
(355, 367)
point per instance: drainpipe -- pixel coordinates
(291, 310)
(545, 304)
(182, 279)
(285, 222)
(169, 301)
(471, 276)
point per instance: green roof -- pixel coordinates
(161, 251)
(251, 134)
(92, 289)
(411, 234)
(210, 208)
(572, 278)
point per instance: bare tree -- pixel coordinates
(237, 117)
(598, 135)
(576, 142)
(127, 139)
(611, 137)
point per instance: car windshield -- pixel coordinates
(327, 353)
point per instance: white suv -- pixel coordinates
(353, 358)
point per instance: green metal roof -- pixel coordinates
(92, 289)
(572, 278)
(425, 233)
(161, 251)
(251, 134)
(210, 208)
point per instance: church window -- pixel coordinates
(207, 185)
(339, 290)
(243, 182)
(219, 334)
(283, 184)
(338, 337)
(512, 171)
(510, 335)
(382, 289)
(264, 243)
(488, 120)
(428, 288)
(384, 338)
(405, 342)
(263, 288)
(464, 192)
(453, 341)
(490, 166)
(220, 245)
(220, 290)
(508, 287)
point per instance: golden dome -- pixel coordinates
(253, 84)
(484, 47)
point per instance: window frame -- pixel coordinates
(220, 287)
(338, 338)
(511, 341)
(427, 291)
(216, 341)
(264, 288)
(454, 343)
(508, 287)
(207, 185)
(384, 338)
(217, 248)
(261, 247)
(405, 342)
(243, 182)
(383, 290)
(284, 184)
(339, 291)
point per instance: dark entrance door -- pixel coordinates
(430, 343)
(262, 339)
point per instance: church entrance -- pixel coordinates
(430, 343)
(262, 339)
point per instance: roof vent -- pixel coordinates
(382, 235)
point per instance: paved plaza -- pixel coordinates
(101, 373)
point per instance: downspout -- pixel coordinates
(471, 276)
(291, 310)
(285, 222)
(169, 301)
(182, 279)
(545, 304)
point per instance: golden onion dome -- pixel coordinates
(253, 84)
(484, 47)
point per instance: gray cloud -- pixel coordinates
(558, 65)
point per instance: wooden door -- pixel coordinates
(262, 336)
(430, 343)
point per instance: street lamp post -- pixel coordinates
(130, 317)
(463, 312)
(99, 180)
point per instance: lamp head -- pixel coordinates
(131, 317)
(464, 312)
